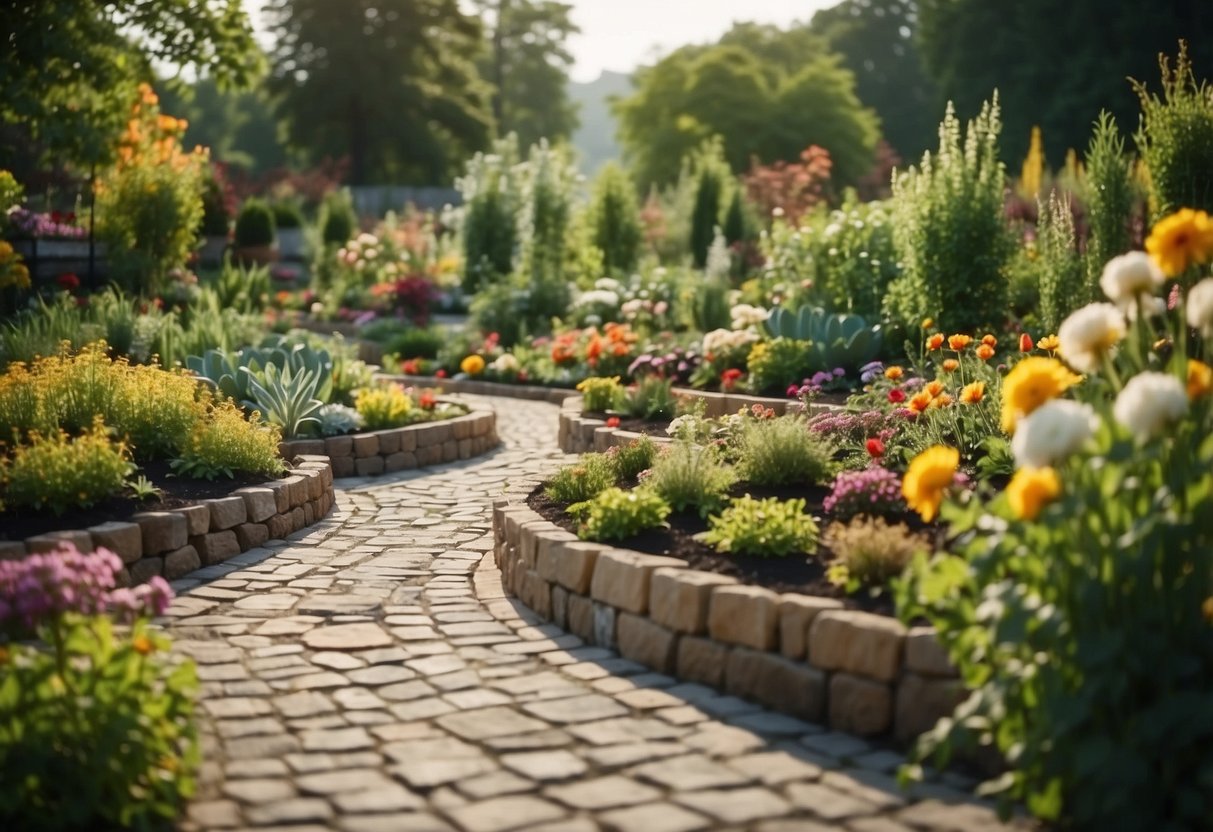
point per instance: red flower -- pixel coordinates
(1025, 343)
(613, 422)
(440, 373)
(427, 400)
(729, 377)
(897, 395)
(68, 282)
(411, 367)
(875, 448)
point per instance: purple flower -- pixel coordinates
(874, 490)
(871, 371)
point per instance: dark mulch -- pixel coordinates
(649, 427)
(796, 573)
(178, 492)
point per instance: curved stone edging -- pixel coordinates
(177, 541)
(862, 673)
(531, 392)
(399, 449)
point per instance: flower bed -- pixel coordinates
(860, 672)
(174, 542)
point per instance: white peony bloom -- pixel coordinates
(1052, 432)
(1150, 402)
(1200, 307)
(744, 315)
(505, 363)
(1088, 333)
(1130, 275)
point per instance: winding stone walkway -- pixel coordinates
(371, 675)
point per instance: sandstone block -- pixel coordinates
(744, 615)
(181, 562)
(560, 607)
(309, 514)
(251, 535)
(450, 450)
(921, 701)
(343, 466)
(701, 660)
(305, 447)
(278, 526)
(569, 562)
(622, 578)
(145, 569)
(796, 614)
(926, 656)
(408, 440)
(227, 513)
(369, 466)
(461, 427)
(857, 642)
(51, 541)
(466, 448)
(429, 454)
(163, 531)
(259, 503)
(581, 617)
(860, 706)
(605, 619)
(197, 518)
(298, 518)
(216, 547)
(315, 480)
(679, 598)
(643, 641)
(389, 441)
(15, 549)
(782, 684)
(123, 539)
(336, 446)
(282, 494)
(297, 489)
(366, 445)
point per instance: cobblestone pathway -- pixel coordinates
(365, 677)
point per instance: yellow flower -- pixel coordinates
(1048, 343)
(934, 388)
(143, 645)
(1181, 240)
(959, 342)
(927, 323)
(1200, 379)
(919, 402)
(473, 365)
(929, 475)
(951, 365)
(1031, 489)
(973, 393)
(893, 373)
(1030, 384)
(1207, 609)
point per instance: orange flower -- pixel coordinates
(143, 645)
(989, 340)
(985, 352)
(942, 400)
(959, 342)
(1200, 379)
(1025, 342)
(935, 341)
(934, 388)
(973, 393)
(951, 365)
(919, 402)
(893, 373)
(594, 348)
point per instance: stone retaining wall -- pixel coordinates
(177, 541)
(399, 449)
(864, 674)
(475, 387)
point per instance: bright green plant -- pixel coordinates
(600, 395)
(337, 220)
(583, 480)
(226, 442)
(57, 473)
(949, 231)
(254, 224)
(783, 451)
(1109, 196)
(836, 340)
(416, 342)
(615, 220)
(1061, 287)
(652, 397)
(286, 398)
(492, 198)
(616, 514)
(243, 288)
(774, 364)
(689, 476)
(710, 172)
(633, 458)
(869, 551)
(770, 528)
(385, 406)
(11, 196)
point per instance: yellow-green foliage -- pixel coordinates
(55, 472)
(384, 407)
(600, 394)
(869, 551)
(226, 442)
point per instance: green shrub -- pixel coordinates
(385, 406)
(868, 551)
(254, 224)
(691, 476)
(215, 217)
(416, 343)
(286, 214)
(492, 198)
(226, 442)
(1109, 196)
(58, 473)
(770, 528)
(652, 397)
(583, 480)
(949, 231)
(1062, 278)
(711, 172)
(783, 452)
(615, 219)
(337, 219)
(631, 459)
(616, 514)
(600, 395)
(778, 362)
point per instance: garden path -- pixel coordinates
(370, 674)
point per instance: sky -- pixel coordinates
(622, 34)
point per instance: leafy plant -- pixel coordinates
(583, 480)
(58, 473)
(254, 224)
(1059, 264)
(600, 395)
(615, 220)
(1109, 197)
(615, 514)
(691, 476)
(416, 342)
(632, 459)
(836, 340)
(385, 406)
(144, 489)
(768, 528)
(243, 288)
(774, 364)
(869, 551)
(335, 419)
(337, 219)
(652, 397)
(286, 398)
(226, 442)
(783, 451)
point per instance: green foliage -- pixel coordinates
(689, 476)
(1059, 265)
(96, 730)
(632, 459)
(215, 218)
(242, 288)
(233, 373)
(385, 406)
(226, 442)
(56, 473)
(836, 340)
(652, 397)
(770, 528)
(782, 451)
(286, 214)
(705, 214)
(337, 221)
(615, 220)
(492, 199)
(336, 419)
(286, 398)
(615, 514)
(773, 365)
(416, 342)
(735, 227)
(549, 187)
(600, 395)
(868, 551)
(254, 224)
(1109, 197)
(949, 231)
(583, 480)
(1176, 138)
(709, 302)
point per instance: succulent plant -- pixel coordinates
(845, 341)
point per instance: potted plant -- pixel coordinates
(289, 221)
(255, 233)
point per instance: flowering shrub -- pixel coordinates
(385, 406)
(13, 271)
(226, 442)
(873, 491)
(52, 226)
(1079, 604)
(96, 723)
(600, 394)
(57, 473)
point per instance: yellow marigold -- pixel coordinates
(985, 352)
(951, 365)
(1030, 384)
(1031, 489)
(473, 365)
(1183, 239)
(1048, 343)
(928, 477)
(934, 388)
(959, 342)
(935, 341)
(893, 373)
(919, 402)
(1200, 379)
(973, 393)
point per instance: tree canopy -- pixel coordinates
(392, 84)
(767, 93)
(1057, 65)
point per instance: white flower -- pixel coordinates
(1153, 307)
(1130, 275)
(679, 423)
(1200, 307)
(1150, 402)
(723, 340)
(744, 315)
(1052, 432)
(596, 297)
(607, 284)
(776, 211)
(1088, 333)
(505, 363)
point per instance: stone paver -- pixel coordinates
(369, 674)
